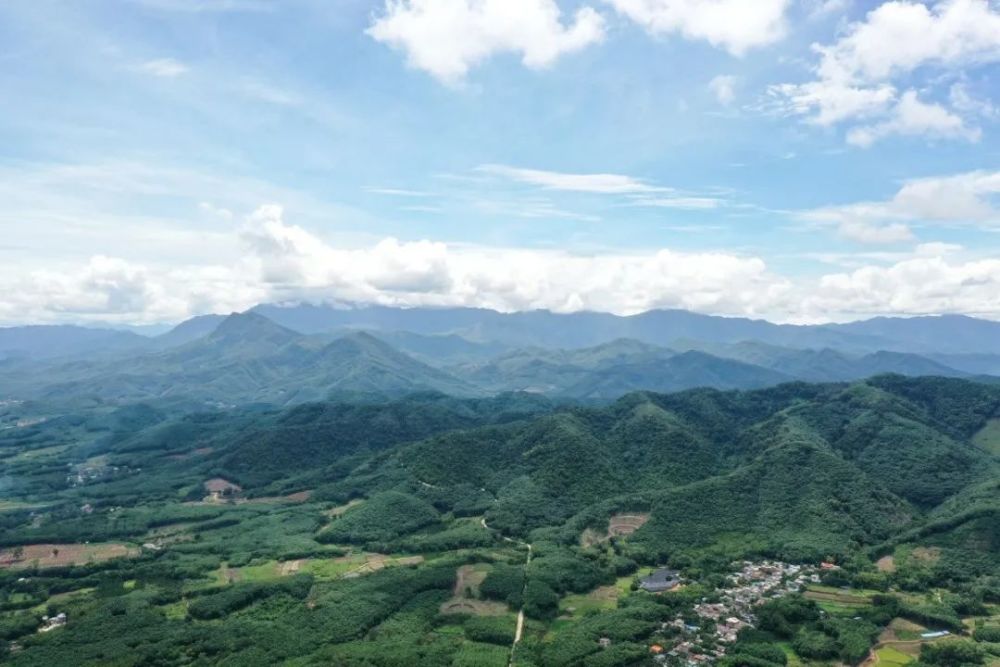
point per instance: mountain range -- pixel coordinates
(293, 354)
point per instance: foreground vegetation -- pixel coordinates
(377, 533)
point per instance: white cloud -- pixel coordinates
(447, 38)
(911, 117)
(166, 68)
(554, 180)
(681, 202)
(928, 284)
(724, 88)
(898, 37)
(959, 199)
(286, 262)
(827, 103)
(397, 192)
(856, 76)
(962, 100)
(735, 25)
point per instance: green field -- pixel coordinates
(891, 657)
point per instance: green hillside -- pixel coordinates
(376, 531)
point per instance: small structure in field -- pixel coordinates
(52, 623)
(221, 490)
(660, 580)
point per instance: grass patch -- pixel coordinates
(600, 599)
(891, 657)
(793, 658)
(988, 437)
(477, 654)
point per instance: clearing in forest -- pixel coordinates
(620, 525)
(465, 600)
(886, 564)
(61, 555)
(602, 598)
(354, 564)
(221, 490)
(341, 509)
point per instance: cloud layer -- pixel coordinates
(283, 261)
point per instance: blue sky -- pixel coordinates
(800, 160)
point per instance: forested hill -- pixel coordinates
(376, 532)
(797, 469)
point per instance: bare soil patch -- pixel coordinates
(620, 525)
(473, 607)
(886, 564)
(928, 555)
(297, 497)
(291, 566)
(219, 485)
(468, 578)
(201, 451)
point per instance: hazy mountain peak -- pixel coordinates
(250, 326)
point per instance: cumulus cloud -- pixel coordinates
(447, 38)
(959, 199)
(724, 88)
(856, 76)
(734, 25)
(166, 68)
(911, 117)
(926, 284)
(112, 289)
(284, 262)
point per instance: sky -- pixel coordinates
(795, 160)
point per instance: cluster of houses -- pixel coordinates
(729, 612)
(83, 473)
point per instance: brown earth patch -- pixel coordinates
(61, 555)
(297, 497)
(375, 562)
(619, 525)
(219, 485)
(467, 578)
(291, 566)
(473, 607)
(929, 555)
(886, 564)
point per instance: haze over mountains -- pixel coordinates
(290, 354)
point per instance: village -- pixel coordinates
(721, 617)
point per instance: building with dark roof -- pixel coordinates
(661, 580)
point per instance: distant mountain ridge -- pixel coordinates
(249, 357)
(246, 358)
